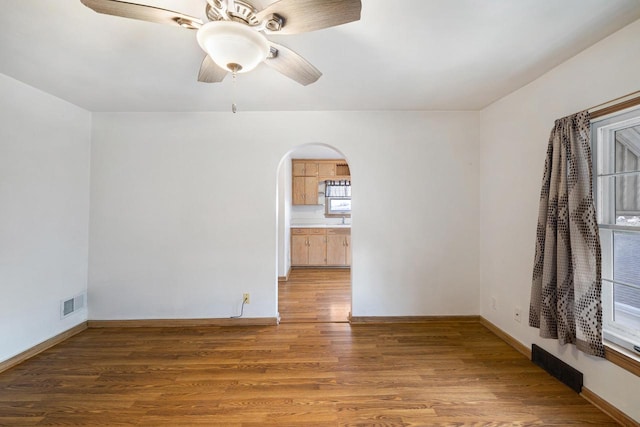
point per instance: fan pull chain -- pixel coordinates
(234, 109)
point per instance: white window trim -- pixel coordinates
(624, 341)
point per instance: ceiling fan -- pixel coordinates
(234, 37)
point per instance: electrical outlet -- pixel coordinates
(517, 314)
(245, 298)
(494, 303)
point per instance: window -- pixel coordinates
(616, 157)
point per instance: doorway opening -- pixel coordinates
(314, 244)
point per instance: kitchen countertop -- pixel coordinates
(320, 225)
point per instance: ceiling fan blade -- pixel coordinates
(210, 72)
(143, 13)
(301, 16)
(292, 65)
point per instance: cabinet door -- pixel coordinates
(311, 169)
(317, 250)
(336, 250)
(347, 242)
(326, 169)
(298, 168)
(310, 191)
(299, 250)
(304, 191)
(298, 193)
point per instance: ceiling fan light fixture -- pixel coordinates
(233, 46)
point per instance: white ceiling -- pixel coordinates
(402, 55)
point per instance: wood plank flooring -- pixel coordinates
(315, 295)
(440, 373)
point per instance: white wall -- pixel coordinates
(515, 132)
(44, 206)
(183, 217)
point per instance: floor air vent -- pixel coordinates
(556, 367)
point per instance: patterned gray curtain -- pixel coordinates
(566, 286)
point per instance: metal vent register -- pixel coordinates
(71, 305)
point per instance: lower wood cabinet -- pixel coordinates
(308, 246)
(338, 246)
(320, 247)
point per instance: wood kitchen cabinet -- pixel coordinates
(299, 249)
(305, 190)
(305, 168)
(338, 246)
(317, 249)
(308, 246)
(333, 169)
(327, 169)
(307, 174)
(320, 247)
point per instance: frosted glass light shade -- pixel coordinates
(231, 43)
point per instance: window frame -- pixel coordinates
(620, 349)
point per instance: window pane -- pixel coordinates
(618, 200)
(618, 151)
(628, 149)
(626, 257)
(626, 306)
(627, 199)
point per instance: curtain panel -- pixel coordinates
(566, 286)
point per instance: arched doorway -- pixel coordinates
(320, 290)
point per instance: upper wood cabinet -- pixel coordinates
(308, 173)
(305, 168)
(342, 170)
(305, 190)
(333, 169)
(321, 168)
(327, 170)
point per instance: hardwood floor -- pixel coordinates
(306, 374)
(315, 295)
